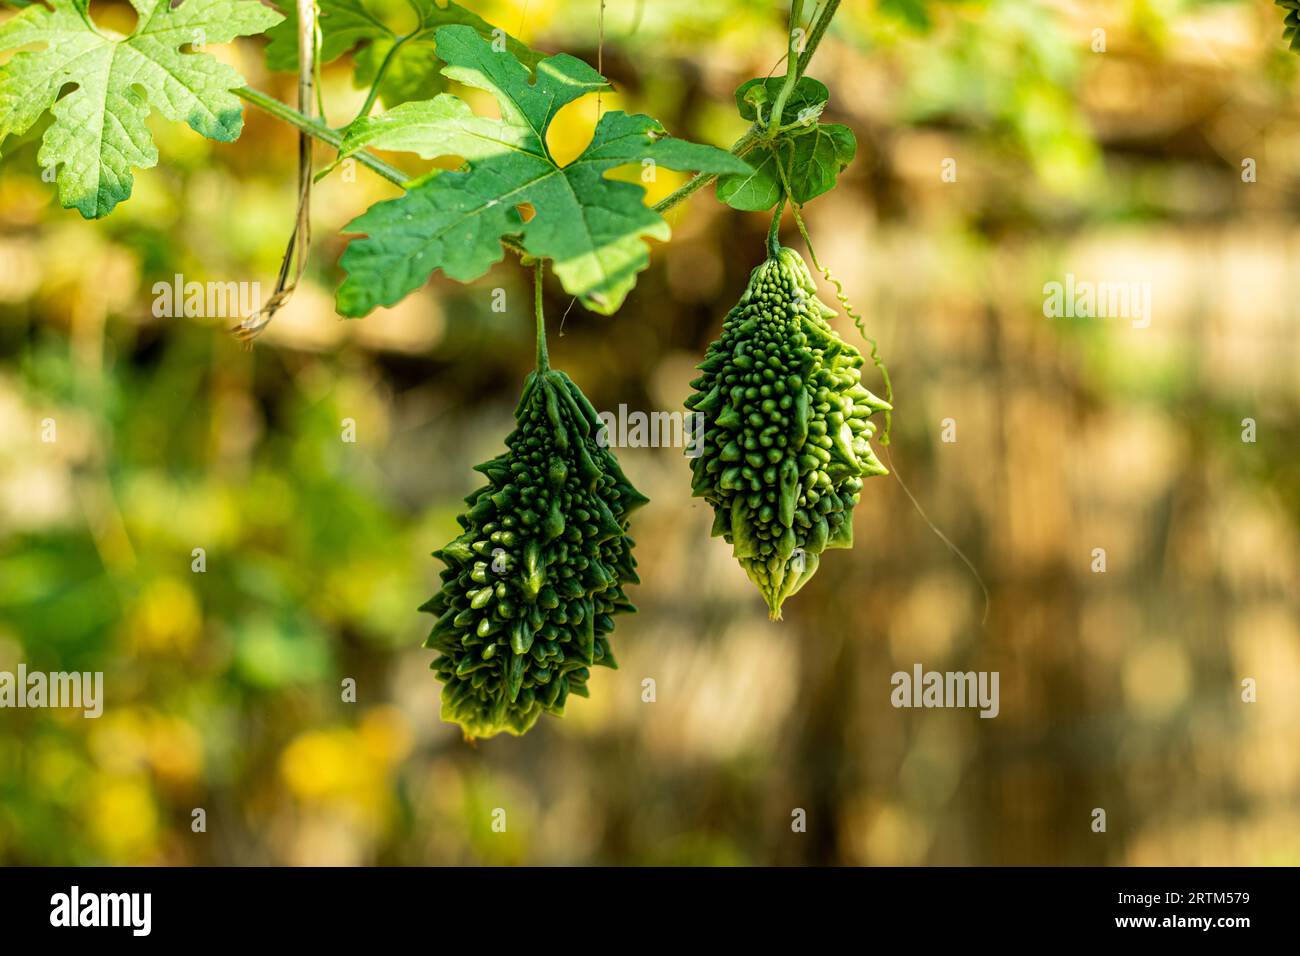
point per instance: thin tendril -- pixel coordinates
(893, 469)
(567, 310)
(776, 66)
(636, 18)
(523, 18)
(379, 76)
(600, 55)
(842, 297)
(320, 87)
(817, 12)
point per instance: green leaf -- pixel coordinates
(590, 226)
(372, 28)
(1290, 22)
(807, 99)
(819, 158)
(755, 190)
(813, 154)
(99, 133)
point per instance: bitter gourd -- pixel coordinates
(1290, 22)
(786, 430)
(531, 586)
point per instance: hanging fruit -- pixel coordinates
(532, 585)
(786, 435)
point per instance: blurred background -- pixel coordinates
(1120, 690)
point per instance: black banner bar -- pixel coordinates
(213, 906)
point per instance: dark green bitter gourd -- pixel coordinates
(786, 430)
(1290, 22)
(531, 587)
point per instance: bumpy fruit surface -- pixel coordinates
(786, 430)
(532, 585)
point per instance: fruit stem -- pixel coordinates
(774, 230)
(543, 360)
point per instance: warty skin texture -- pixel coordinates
(787, 431)
(532, 585)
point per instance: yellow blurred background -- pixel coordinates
(1120, 690)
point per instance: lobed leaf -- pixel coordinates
(99, 133)
(370, 29)
(591, 227)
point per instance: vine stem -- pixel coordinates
(334, 138)
(755, 133)
(294, 261)
(543, 360)
(791, 68)
(379, 76)
(697, 182)
(774, 124)
(331, 137)
(816, 33)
